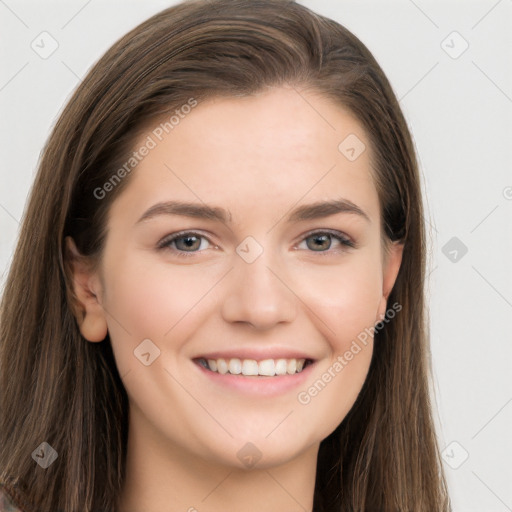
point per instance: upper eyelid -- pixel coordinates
(179, 234)
(334, 232)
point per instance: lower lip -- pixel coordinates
(258, 385)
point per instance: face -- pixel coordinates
(249, 276)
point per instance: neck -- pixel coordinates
(163, 477)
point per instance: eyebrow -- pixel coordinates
(317, 210)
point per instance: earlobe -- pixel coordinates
(392, 264)
(86, 285)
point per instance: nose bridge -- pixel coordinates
(255, 293)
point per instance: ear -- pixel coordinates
(392, 262)
(86, 284)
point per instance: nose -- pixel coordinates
(258, 294)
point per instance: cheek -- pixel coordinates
(346, 306)
(345, 300)
(345, 297)
(150, 302)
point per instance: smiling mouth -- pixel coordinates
(253, 368)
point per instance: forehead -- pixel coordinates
(269, 150)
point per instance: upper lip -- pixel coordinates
(258, 354)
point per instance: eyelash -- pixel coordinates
(165, 243)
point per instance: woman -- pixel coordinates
(216, 301)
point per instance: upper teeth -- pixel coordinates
(267, 367)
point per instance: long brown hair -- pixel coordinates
(58, 388)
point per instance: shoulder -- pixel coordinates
(6, 503)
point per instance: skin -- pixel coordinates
(259, 157)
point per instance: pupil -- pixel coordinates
(322, 239)
(189, 241)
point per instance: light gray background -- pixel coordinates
(460, 112)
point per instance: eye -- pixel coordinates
(184, 242)
(321, 241)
